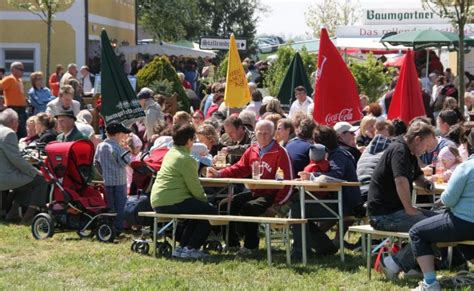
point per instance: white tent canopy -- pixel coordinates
(166, 49)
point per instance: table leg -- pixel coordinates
(155, 230)
(369, 255)
(268, 243)
(341, 223)
(303, 226)
(287, 237)
(229, 201)
(364, 246)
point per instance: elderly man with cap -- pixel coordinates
(153, 112)
(30, 188)
(346, 138)
(66, 124)
(111, 160)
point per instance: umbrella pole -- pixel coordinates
(427, 62)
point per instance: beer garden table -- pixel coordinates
(303, 188)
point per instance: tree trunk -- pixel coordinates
(49, 25)
(461, 67)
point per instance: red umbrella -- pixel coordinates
(336, 97)
(395, 62)
(407, 102)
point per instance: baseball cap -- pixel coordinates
(344, 126)
(116, 127)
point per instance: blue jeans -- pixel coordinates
(401, 222)
(445, 227)
(116, 197)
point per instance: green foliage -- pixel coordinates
(370, 77)
(276, 72)
(184, 19)
(222, 68)
(160, 69)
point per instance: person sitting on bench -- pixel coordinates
(17, 174)
(455, 224)
(267, 156)
(177, 190)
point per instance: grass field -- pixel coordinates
(64, 262)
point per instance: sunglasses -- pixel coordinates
(20, 69)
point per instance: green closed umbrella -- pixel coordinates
(295, 76)
(119, 101)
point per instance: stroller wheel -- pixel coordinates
(164, 250)
(133, 247)
(105, 232)
(86, 233)
(143, 248)
(42, 226)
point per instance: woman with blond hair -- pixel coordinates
(39, 95)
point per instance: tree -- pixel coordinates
(45, 10)
(459, 12)
(330, 14)
(371, 78)
(184, 19)
(277, 70)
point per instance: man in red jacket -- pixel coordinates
(271, 156)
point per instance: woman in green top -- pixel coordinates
(177, 190)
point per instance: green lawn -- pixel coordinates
(64, 262)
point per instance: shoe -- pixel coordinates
(244, 252)
(422, 286)
(329, 251)
(30, 213)
(177, 252)
(193, 254)
(389, 274)
(412, 274)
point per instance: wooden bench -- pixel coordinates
(224, 220)
(368, 233)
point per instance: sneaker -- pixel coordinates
(244, 252)
(193, 254)
(412, 274)
(389, 273)
(177, 252)
(422, 286)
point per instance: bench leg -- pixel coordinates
(364, 246)
(230, 194)
(288, 243)
(369, 255)
(155, 230)
(303, 227)
(450, 257)
(268, 243)
(173, 236)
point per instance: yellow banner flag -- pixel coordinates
(237, 93)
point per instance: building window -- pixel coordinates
(27, 55)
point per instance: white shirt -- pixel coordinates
(87, 84)
(297, 106)
(255, 107)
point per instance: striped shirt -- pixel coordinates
(109, 163)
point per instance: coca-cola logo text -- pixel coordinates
(344, 115)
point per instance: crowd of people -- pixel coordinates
(387, 157)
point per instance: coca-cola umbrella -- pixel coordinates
(407, 102)
(336, 98)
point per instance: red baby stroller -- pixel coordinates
(74, 205)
